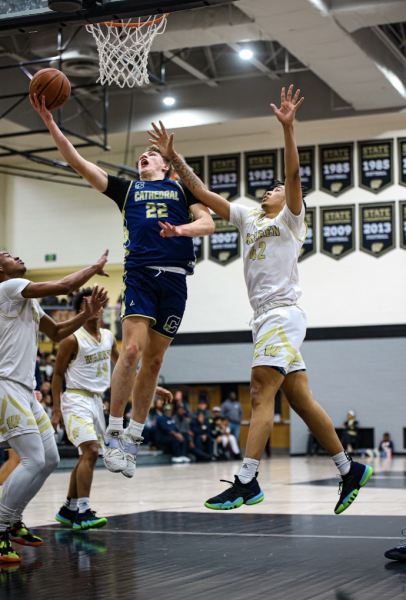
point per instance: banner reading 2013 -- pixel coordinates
(224, 175)
(377, 227)
(337, 230)
(309, 245)
(261, 169)
(224, 243)
(375, 165)
(336, 168)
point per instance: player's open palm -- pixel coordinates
(161, 139)
(41, 108)
(286, 113)
(95, 302)
(101, 264)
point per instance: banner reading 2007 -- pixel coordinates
(261, 169)
(309, 245)
(375, 165)
(224, 244)
(377, 227)
(337, 230)
(224, 175)
(336, 168)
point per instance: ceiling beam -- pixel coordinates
(255, 63)
(190, 69)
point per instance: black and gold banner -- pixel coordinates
(224, 243)
(198, 245)
(309, 245)
(402, 222)
(261, 169)
(336, 168)
(377, 227)
(224, 175)
(402, 160)
(375, 159)
(196, 163)
(307, 168)
(337, 230)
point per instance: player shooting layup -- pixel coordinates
(24, 425)
(154, 286)
(273, 237)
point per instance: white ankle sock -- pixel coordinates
(84, 504)
(342, 462)
(115, 423)
(248, 469)
(72, 504)
(135, 428)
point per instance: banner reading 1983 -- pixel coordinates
(261, 168)
(337, 230)
(309, 245)
(402, 160)
(336, 168)
(224, 246)
(375, 165)
(224, 175)
(402, 219)
(377, 227)
(196, 163)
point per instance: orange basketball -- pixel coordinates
(52, 84)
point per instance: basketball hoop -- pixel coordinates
(124, 47)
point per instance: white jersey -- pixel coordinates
(271, 251)
(19, 324)
(91, 368)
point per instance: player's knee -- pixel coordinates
(131, 355)
(256, 395)
(155, 364)
(91, 453)
(51, 460)
(36, 462)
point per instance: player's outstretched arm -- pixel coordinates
(67, 350)
(59, 331)
(286, 115)
(164, 142)
(93, 174)
(68, 284)
(203, 224)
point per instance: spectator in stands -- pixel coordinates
(386, 446)
(168, 436)
(202, 407)
(231, 409)
(350, 436)
(49, 367)
(46, 388)
(216, 411)
(202, 440)
(47, 404)
(178, 399)
(216, 431)
(229, 442)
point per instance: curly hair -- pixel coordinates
(78, 299)
(278, 183)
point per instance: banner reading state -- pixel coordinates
(261, 169)
(309, 245)
(375, 165)
(402, 222)
(337, 230)
(224, 175)
(377, 227)
(402, 160)
(196, 163)
(224, 243)
(336, 168)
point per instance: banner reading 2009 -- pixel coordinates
(224, 246)
(337, 230)
(224, 175)
(377, 227)
(336, 168)
(309, 245)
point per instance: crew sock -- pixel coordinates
(84, 505)
(135, 429)
(115, 424)
(72, 504)
(342, 462)
(248, 470)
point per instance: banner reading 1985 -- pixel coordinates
(261, 168)
(309, 245)
(402, 219)
(377, 227)
(224, 246)
(375, 165)
(337, 230)
(336, 168)
(196, 163)
(402, 160)
(224, 175)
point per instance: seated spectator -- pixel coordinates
(216, 431)
(168, 436)
(202, 407)
(386, 446)
(178, 399)
(202, 440)
(46, 388)
(229, 442)
(350, 436)
(47, 404)
(216, 410)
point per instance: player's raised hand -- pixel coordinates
(168, 230)
(100, 264)
(41, 108)
(286, 113)
(96, 302)
(162, 140)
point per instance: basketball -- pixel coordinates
(52, 84)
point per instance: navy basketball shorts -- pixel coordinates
(157, 295)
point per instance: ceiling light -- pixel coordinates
(246, 54)
(169, 101)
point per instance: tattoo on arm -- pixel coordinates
(186, 174)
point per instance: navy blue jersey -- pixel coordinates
(143, 204)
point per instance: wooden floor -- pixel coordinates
(161, 543)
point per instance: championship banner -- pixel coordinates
(224, 244)
(375, 159)
(307, 169)
(402, 160)
(402, 221)
(224, 175)
(309, 245)
(336, 168)
(196, 163)
(337, 230)
(377, 228)
(198, 246)
(261, 169)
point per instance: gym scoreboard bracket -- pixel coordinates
(336, 168)
(402, 160)
(261, 169)
(309, 245)
(375, 159)
(377, 228)
(196, 163)
(224, 243)
(198, 245)
(337, 225)
(224, 175)
(402, 222)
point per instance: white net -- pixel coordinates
(123, 49)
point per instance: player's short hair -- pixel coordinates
(278, 183)
(155, 148)
(78, 299)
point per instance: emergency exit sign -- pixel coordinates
(50, 257)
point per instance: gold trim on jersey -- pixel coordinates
(145, 317)
(163, 335)
(183, 190)
(91, 338)
(44, 422)
(19, 314)
(291, 230)
(126, 197)
(83, 393)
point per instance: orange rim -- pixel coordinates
(132, 25)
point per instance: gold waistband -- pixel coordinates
(83, 393)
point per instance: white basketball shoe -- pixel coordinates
(115, 459)
(131, 445)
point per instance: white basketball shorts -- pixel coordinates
(83, 415)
